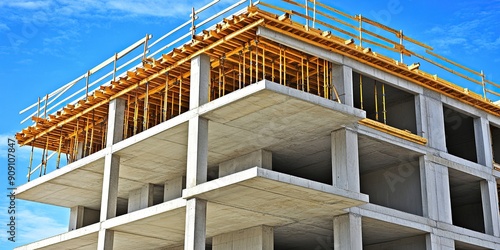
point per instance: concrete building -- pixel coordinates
(265, 133)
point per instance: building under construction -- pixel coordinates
(286, 126)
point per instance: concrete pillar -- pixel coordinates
(345, 162)
(342, 80)
(260, 158)
(111, 172)
(347, 232)
(430, 119)
(436, 200)
(116, 115)
(105, 239)
(173, 188)
(489, 198)
(434, 242)
(141, 198)
(483, 142)
(200, 78)
(196, 215)
(79, 151)
(255, 238)
(197, 155)
(81, 216)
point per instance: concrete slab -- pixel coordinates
(81, 239)
(278, 195)
(83, 177)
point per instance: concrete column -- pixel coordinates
(255, 238)
(200, 78)
(430, 120)
(197, 155)
(105, 239)
(115, 121)
(81, 216)
(141, 198)
(434, 242)
(173, 188)
(79, 151)
(196, 215)
(347, 232)
(436, 200)
(260, 158)
(342, 80)
(489, 198)
(483, 142)
(345, 161)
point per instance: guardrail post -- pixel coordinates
(484, 84)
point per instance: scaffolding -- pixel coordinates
(153, 76)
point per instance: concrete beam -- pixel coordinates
(199, 81)
(299, 45)
(436, 200)
(255, 238)
(490, 207)
(197, 154)
(196, 223)
(347, 232)
(81, 216)
(483, 142)
(260, 158)
(345, 160)
(342, 80)
(173, 188)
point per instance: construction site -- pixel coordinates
(288, 126)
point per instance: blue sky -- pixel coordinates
(45, 44)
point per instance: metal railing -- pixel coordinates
(126, 60)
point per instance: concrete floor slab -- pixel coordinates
(276, 194)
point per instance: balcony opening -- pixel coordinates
(466, 203)
(384, 103)
(460, 138)
(390, 175)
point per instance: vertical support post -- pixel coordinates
(87, 85)
(483, 82)
(145, 121)
(490, 207)
(347, 232)
(307, 15)
(114, 66)
(111, 172)
(483, 142)
(361, 91)
(59, 149)
(435, 185)
(196, 213)
(401, 43)
(345, 162)
(145, 47)
(199, 80)
(165, 98)
(314, 13)
(384, 110)
(376, 100)
(360, 18)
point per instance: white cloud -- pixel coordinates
(32, 5)
(4, 27)
(470, 31)
(34, 221)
